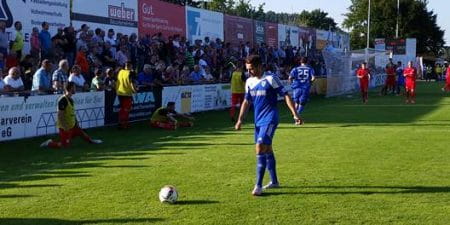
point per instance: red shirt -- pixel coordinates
(390, 71)
(448, 75)
(410, 73)
(363, 73)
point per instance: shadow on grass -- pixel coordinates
(51, 221)
(196, 202)
(15, 196)
(363, 190)
(23, 161)
(380, 109)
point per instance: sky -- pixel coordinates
(336, 9)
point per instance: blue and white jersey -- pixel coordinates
(302, 76)
(263, 93)
(401, 78)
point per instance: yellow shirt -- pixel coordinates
(237, 84)
(160, 115)
(66, 104)
(124, 84)
(18, 42)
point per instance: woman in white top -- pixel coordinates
(78, 79)
(13, 82)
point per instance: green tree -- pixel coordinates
(415, 21)
(317, 19)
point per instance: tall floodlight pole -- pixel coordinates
(368, 26)
(368, 33)
(398, 17)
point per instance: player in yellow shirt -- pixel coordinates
(125, 88)
(67, 121)
(237, 90)
(167, 118)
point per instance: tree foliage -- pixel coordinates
(243, 8)
(415, 21)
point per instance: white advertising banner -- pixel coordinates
(33, 14)
(197, 98)
(120, 15)
(23, 117)
(202, 23)
(288, 35)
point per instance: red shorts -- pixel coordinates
(237, 99)
(364, 85)
(67, 135)
(410, 85)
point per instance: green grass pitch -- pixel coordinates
(381, 163)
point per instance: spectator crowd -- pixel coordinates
(91, 59)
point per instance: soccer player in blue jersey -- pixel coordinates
(400, 77)
(301, 79)
(262, 92)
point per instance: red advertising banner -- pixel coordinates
(272, 34)
(238, 30)
(156, 16)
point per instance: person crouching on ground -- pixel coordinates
(67, 122)
(167, 118)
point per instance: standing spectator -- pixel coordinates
(97, 81)
(125, 89)
(27, 66)
(145, 78)
(46, 41)
(11, 60)
(2, 84)
(82, 41)
(237, 90)
(189, 58)
(41, 79)
(35, 44)
(2, 62)
(69, 47)
(17, 40)
(58, 40)
(81, 60)
(209, 78)
(109, 82)
(196, 76)
(78, 78)
(107, 57)
(4, 44)
(122, 56)
(60, 76)
(170, 76)
(446, 88)
(110, 39)
(13, 82)
(183, 77)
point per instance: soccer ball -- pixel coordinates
(168, 194)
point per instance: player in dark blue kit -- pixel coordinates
(262, 92)
(301, 79)
(400, 77)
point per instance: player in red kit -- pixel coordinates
(390, 80)
(447, 79)
(364, 76)
(410, 74)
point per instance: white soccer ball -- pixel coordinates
(168, 194)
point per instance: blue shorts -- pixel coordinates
(301, 95)
(264, 134)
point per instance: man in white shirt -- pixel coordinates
(110, 39)
(13, 82)
(77, 78)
